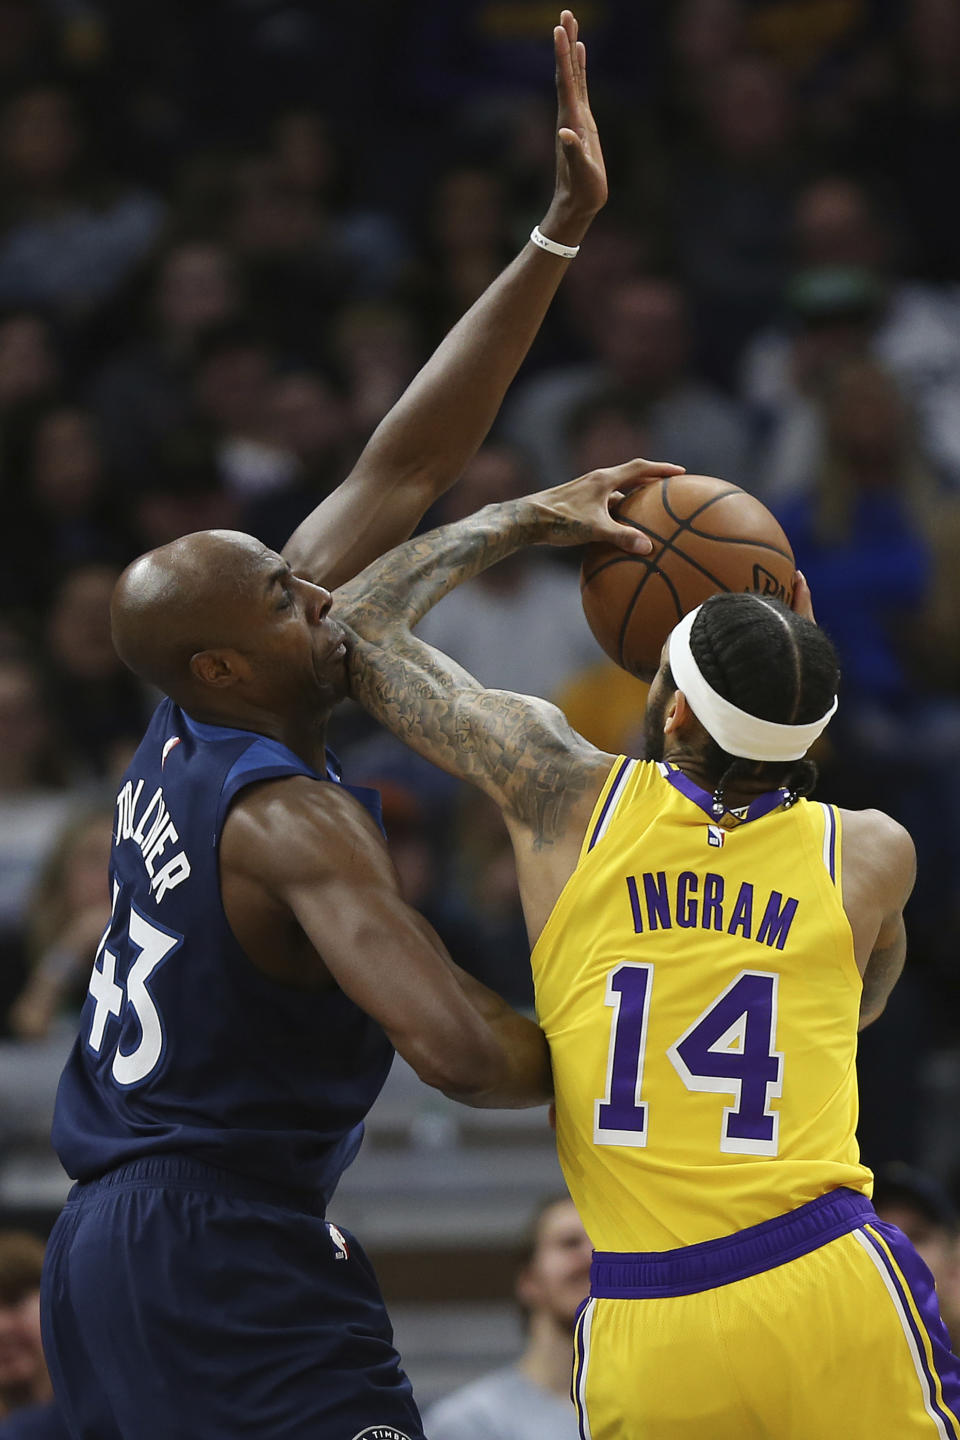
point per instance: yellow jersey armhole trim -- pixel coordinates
(619, 772)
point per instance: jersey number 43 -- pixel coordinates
(729, 1050)
(132, 1004)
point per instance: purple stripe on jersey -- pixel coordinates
(757, 808)
(832, 843)
(578, 1364)
(923, 1291)
(687, 1271)
(611, 797)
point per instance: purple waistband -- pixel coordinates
(642, 1276)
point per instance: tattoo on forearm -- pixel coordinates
(407, 582)
(523, 753)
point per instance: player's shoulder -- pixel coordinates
(874, 841)
(295, 817)
(877, 827)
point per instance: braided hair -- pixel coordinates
(772, 663)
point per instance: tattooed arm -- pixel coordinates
(518, 749)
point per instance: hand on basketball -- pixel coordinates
(581, 511)
(802, 601)
(581, 181)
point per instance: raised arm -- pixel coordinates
(302, 847)
(420, 448)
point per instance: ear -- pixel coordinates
(217, 668)
(677, 713)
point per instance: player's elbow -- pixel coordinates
(470, 1068)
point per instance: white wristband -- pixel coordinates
(566, 252)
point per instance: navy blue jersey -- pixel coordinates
(185, 1046)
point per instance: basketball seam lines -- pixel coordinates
(687, 524)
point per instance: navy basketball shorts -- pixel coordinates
(179, 1301)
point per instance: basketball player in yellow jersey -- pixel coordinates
(706, 943)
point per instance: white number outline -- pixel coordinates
(726, 1085)
(155, 944)
(614, 998)
(705, 1084)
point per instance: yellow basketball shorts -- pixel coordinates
(821, 1324)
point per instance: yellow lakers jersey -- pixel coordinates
(697, 984)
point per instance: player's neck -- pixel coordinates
(304, 734)
(549, 1355)
(693, 766)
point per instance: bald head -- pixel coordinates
(185, 598)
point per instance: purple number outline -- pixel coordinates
(630, 1000)
(738, 1116)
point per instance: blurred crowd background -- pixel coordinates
(231, 232)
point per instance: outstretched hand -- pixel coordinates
(581, 180)
(580, 167)
(579, 512)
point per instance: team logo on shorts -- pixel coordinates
(381, 1432)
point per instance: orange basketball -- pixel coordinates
(708, 535)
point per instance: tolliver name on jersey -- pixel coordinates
(153, 831)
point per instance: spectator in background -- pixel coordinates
(368, 243)
(101, 704)
(27, 1410)
(530, 1400)
(143, 392)
(377, 351)
(29, 380)
(34, 803)
(846, 301)
(67, 915)
(296, 273)
(309, 421)
(919, 129)
(866, 538)
(29, 363)
(919, 1206)
(532, 598)
(643, 344)
(860, 534)
(732, 197)
(236, 423)
(67, 241)
(467, 243)
(70, 515)
(482, 914)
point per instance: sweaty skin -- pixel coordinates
(521, 751)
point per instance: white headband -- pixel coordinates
(735, 730)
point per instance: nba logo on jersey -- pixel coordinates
(716, 836)
(339, 1242)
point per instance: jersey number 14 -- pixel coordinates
(728, 1050)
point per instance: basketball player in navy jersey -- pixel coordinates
(260, 965)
